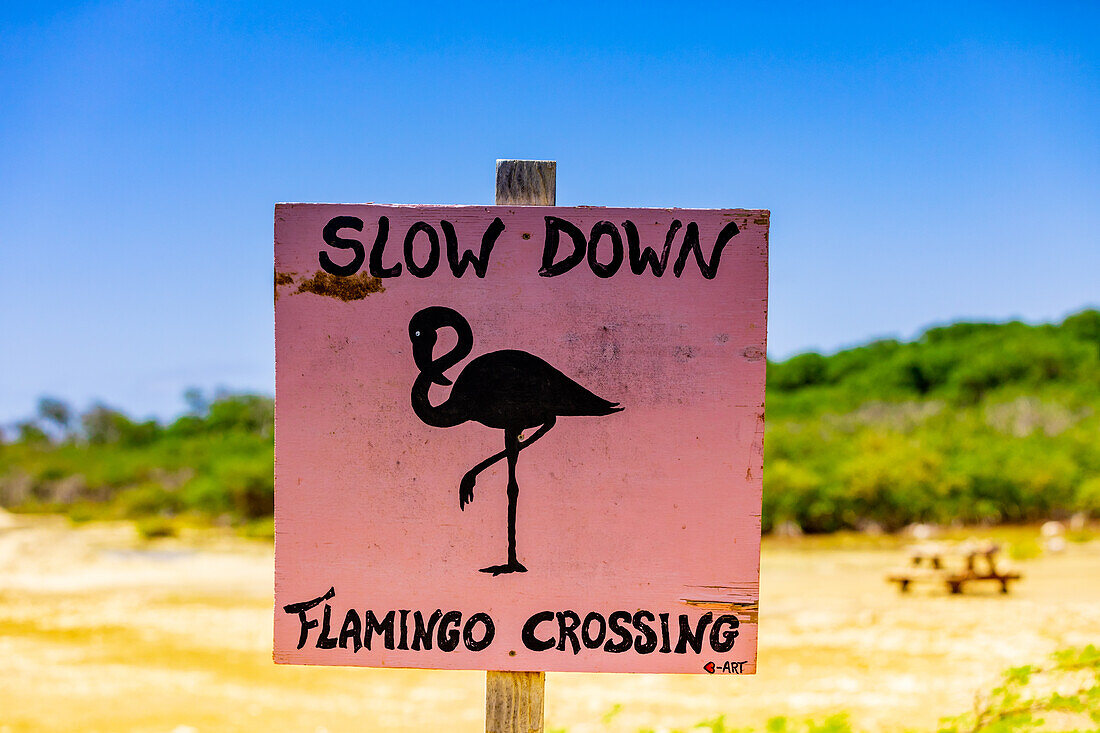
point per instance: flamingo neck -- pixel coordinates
(444, 415)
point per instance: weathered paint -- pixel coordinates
(655, 508)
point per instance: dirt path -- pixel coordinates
(100, 632)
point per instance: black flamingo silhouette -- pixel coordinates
(510, 390)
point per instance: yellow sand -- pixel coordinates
(102, 632)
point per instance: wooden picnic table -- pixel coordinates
(954, 566)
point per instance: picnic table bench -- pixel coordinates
(954, 566)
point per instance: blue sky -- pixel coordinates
(922, 165)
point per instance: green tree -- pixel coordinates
(57, 413)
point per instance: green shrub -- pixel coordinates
(800, 371)
(1087, 497)
(216, 464)
(1068, 687)
(975, 422)
(145, 499)
(154, 527)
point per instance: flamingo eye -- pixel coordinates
(416, 334)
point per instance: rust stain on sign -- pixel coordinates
(283, 278)
(355, 287)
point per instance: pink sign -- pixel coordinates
(519, 438)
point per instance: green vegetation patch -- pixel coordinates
(970, 423)
(214, 464)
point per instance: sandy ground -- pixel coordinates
(102, 632)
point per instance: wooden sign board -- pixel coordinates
(523, 438)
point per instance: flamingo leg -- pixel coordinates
(512, 448)
(466, 487)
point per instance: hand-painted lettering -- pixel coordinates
(422, 251)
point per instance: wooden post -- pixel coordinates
(514, 700)
(527, 182)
